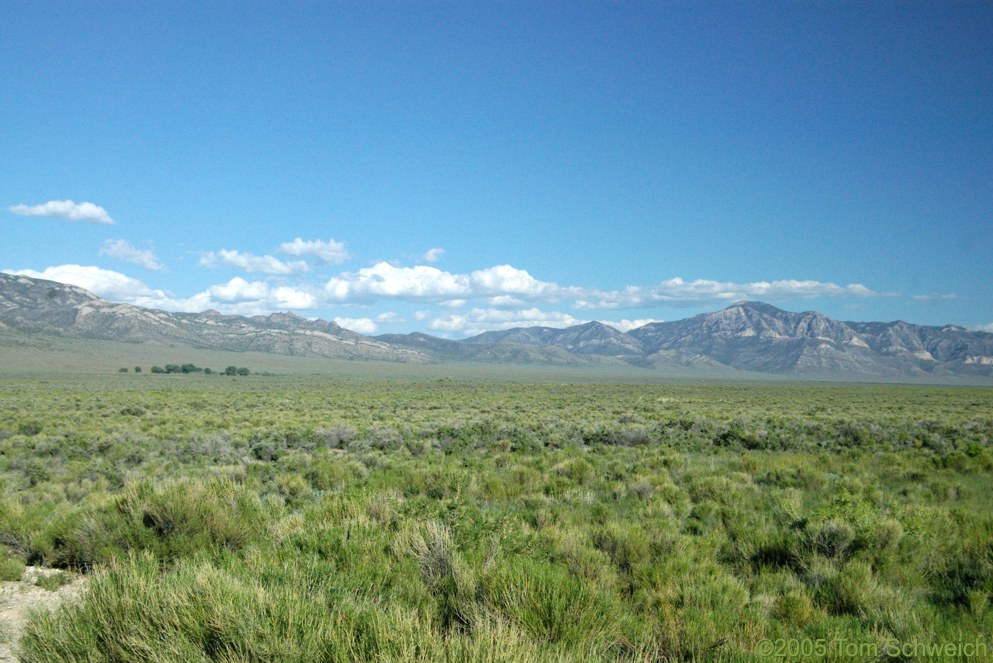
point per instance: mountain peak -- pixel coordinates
(760, 307)
(287, 317)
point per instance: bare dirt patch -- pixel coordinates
(19, 599)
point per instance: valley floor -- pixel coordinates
(310, 518)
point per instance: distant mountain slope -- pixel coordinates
(592, 338)
(760, 337)
(35, 305)
(747, 336)
(940, 344)
(515, 349)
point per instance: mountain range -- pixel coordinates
(744, 338)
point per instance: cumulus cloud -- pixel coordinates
(66, 209)
(386, 281)
(251, 263)
(327, 252)
(105, 283)
(242, 297)
(628, 325)
(238, 290)
(236, 296)
(505, 300)
(507, 280)
(359, 325)
(505, 286)
(433, 255)
(985, 328)
(123, 250)
(423, 283)
(677, 292)
(480, 320)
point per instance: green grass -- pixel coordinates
(306, 518)
(11, 568)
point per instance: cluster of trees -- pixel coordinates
(190, 368)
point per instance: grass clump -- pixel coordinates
(11, 568)
(53, 581)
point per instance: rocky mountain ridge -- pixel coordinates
(755, 337)
(746, 336)
(39, 306)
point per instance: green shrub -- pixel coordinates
(11, 568)
(53, 581)
(173, 519)
(30, 428)
(833, 538)
(550, 605)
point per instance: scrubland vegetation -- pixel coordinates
(311, 519)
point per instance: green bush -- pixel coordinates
(550, 605)
(174, 519)
(11, 568)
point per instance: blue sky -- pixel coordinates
(458, 167)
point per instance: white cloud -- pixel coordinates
(66, 209)
(935, 297)
(507, 280)
(238, 290)
(677, 292)
(327, 252)
(360, 325)
(237, 296)
(242, 297)
(252, 263)
(105, 283)
(423, 283)
(480, 320)
(508, 286)
(286, 297)
(123, 250)
(628, 325)
(433, 255)
(505, 300)
(985, 328)
(386, 281)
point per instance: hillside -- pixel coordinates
(46, 307)
(745, 338)
(750, 337)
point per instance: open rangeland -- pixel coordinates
(422, 517)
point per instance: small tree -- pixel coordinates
(242, 371)
(123, 369)
(137, 369)
(158, 369)
(231, 370)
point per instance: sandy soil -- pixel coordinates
(18, 599)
